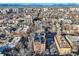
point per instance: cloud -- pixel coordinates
(39, 1)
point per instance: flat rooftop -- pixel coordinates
(74, 39)
(62, 42)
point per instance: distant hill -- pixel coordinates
(39, 5)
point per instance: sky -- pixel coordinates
(39, 1)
